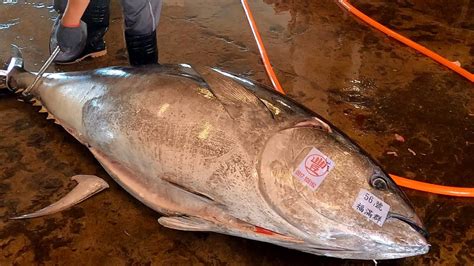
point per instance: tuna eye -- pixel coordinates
(378, 183)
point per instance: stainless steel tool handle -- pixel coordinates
(42, 70)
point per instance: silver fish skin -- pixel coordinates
(212, 151)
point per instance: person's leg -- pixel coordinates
(96, 16)
(141, 19)
(60, 6)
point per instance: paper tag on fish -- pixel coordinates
(314, 168)
(371, 207)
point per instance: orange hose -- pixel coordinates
(432, 188)
(401, 181)
(261, 48)
(420, 48)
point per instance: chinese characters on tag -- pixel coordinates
(373, 208)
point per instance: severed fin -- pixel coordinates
(187, 223)
(87, 186)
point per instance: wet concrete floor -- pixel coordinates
(365, 83)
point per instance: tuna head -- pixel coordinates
(312, 176)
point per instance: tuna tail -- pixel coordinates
(15, 78)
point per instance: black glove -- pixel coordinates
(71, 40)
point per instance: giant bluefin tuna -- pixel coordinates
(213, 151)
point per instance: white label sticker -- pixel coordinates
(371, 207)
(314, 168)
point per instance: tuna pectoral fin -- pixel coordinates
(185, 223)
(88, 186)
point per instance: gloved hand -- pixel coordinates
(71, 39)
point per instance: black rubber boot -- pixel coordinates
(96, 17)
(142, 49)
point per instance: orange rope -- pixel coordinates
(420, 48)
(401, 181)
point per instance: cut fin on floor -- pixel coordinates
(87, 186)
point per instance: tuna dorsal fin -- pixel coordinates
(238, 101)
(186, 223)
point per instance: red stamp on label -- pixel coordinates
(316, 165)
(314, 168)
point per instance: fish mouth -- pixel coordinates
(412, 246)
(420, 229)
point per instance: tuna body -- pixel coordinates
(212, 151)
